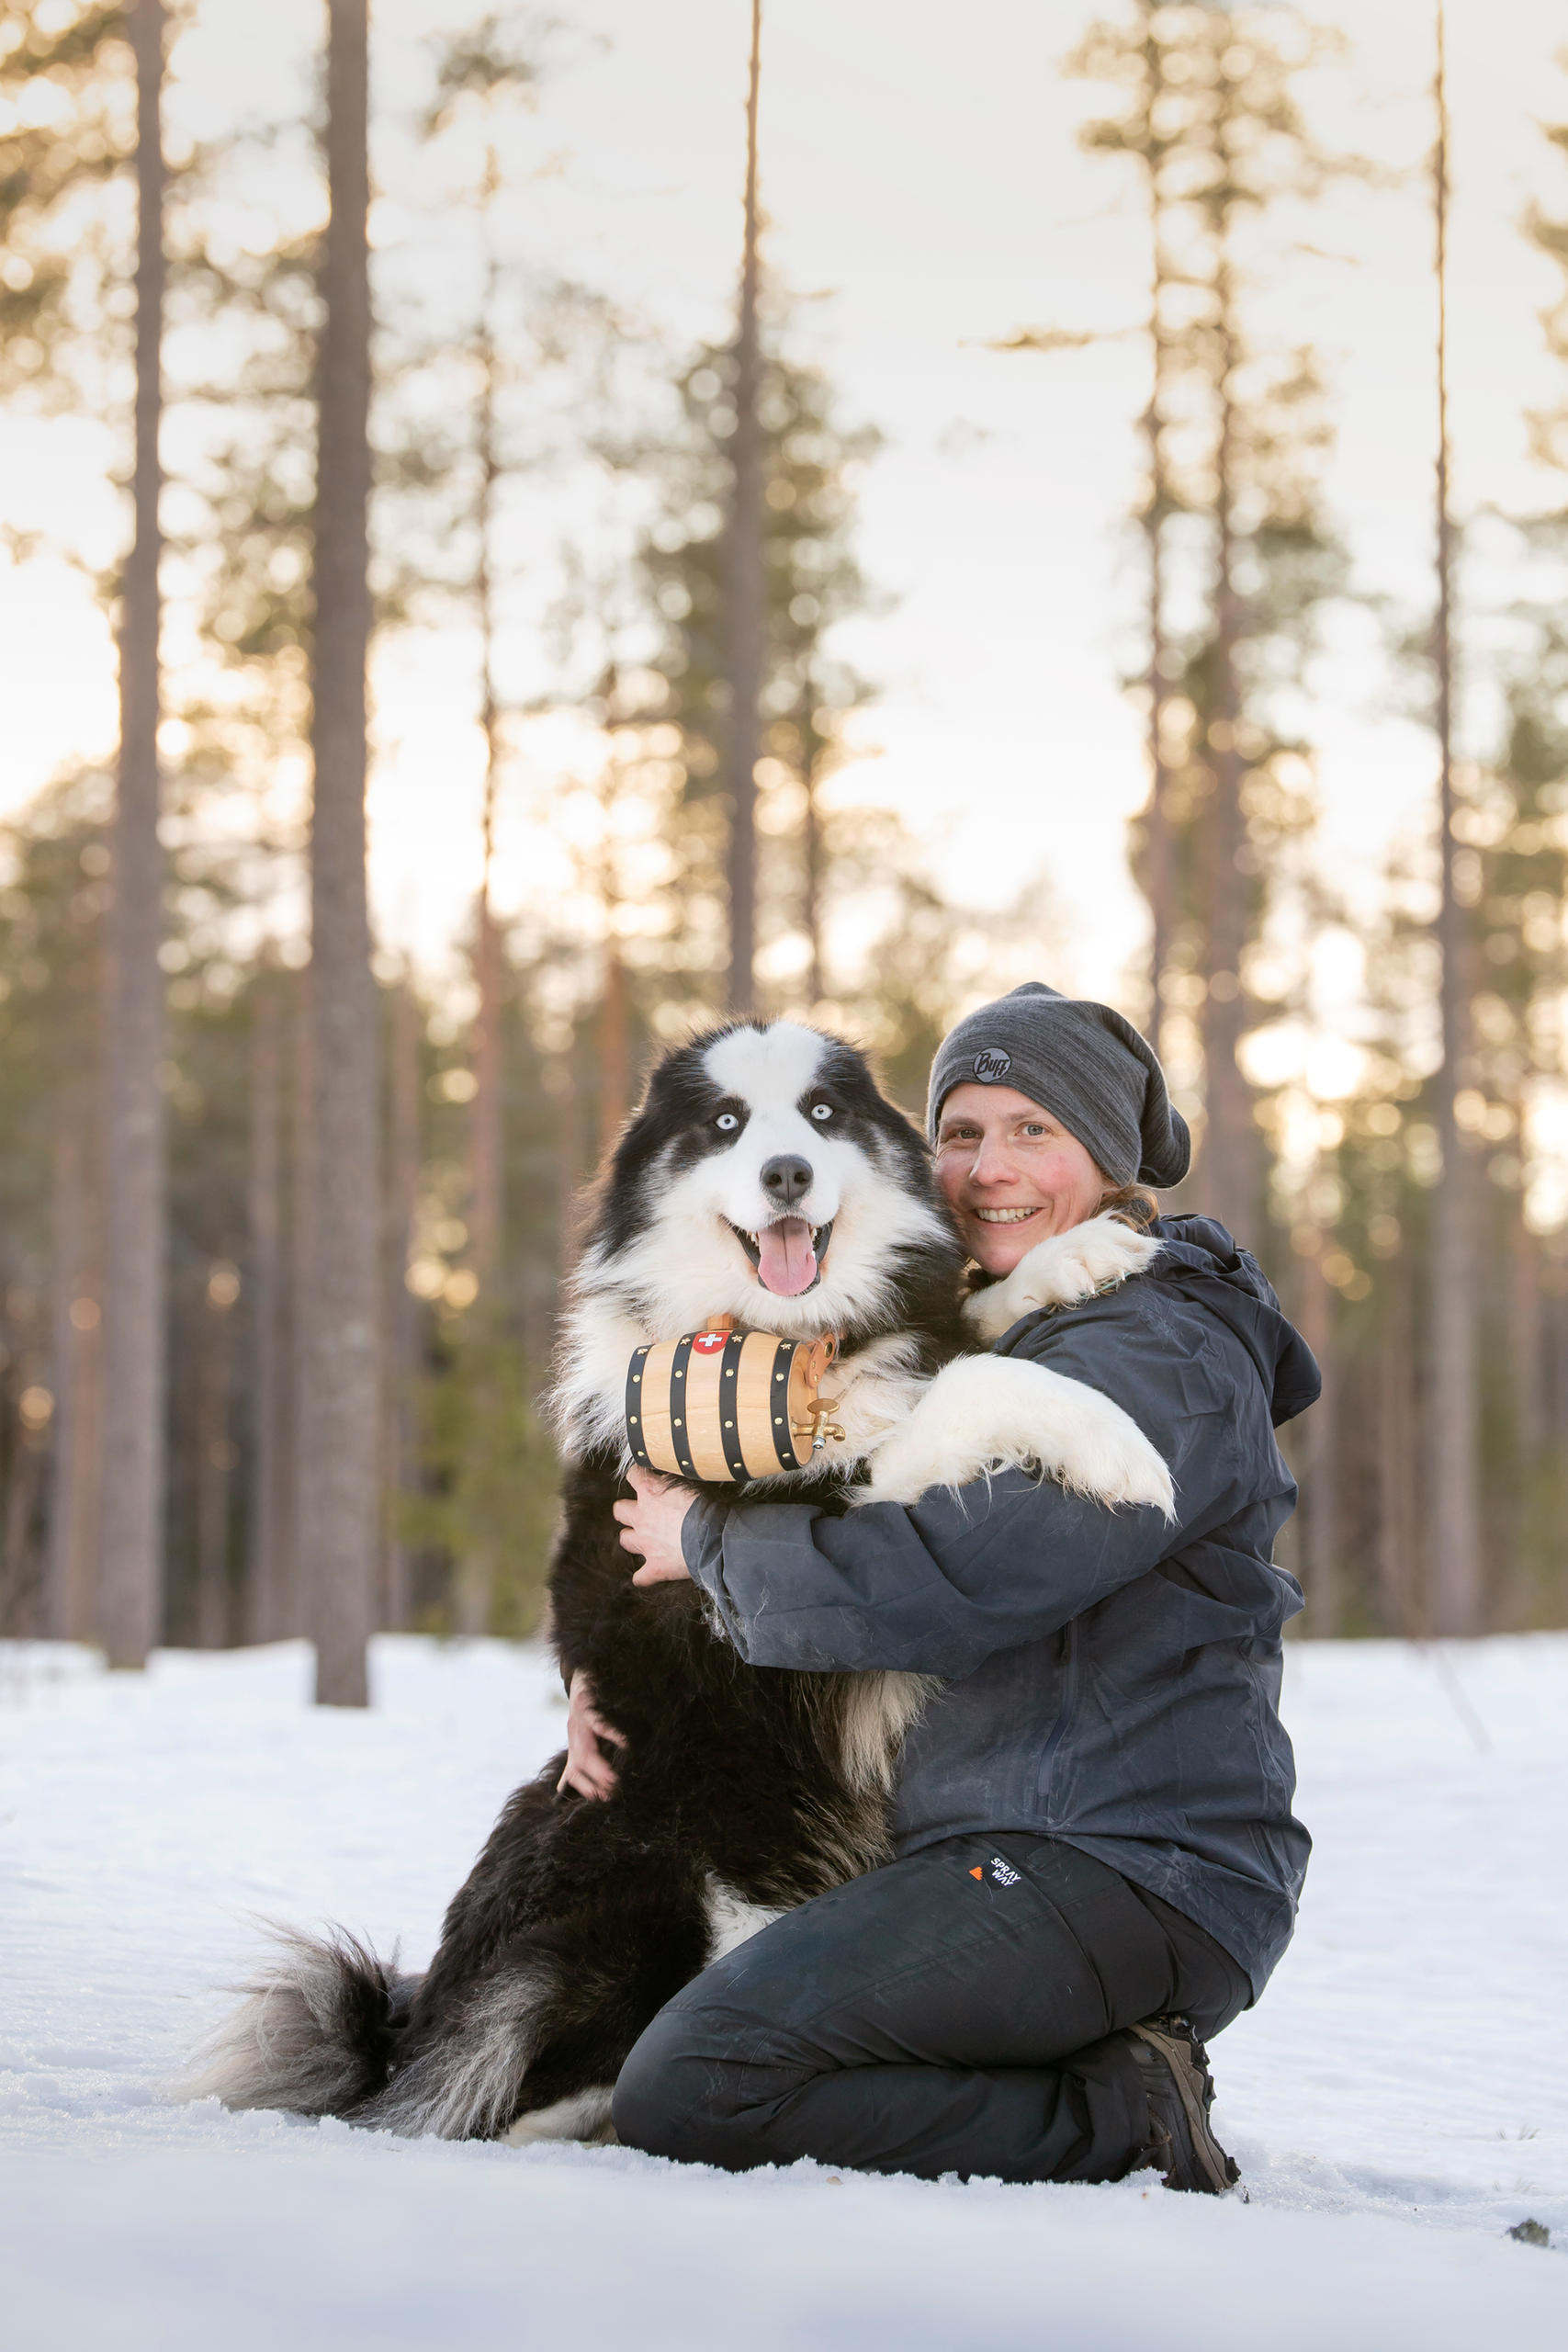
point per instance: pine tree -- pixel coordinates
(339, 1428)
(1236, 435)
(1457, 1567)
(808, 462)
(746, 601)
(483, 79)
(134, 1272)
(103, 70)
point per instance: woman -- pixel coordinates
(1095, 1862)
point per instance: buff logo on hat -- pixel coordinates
(991, 1067)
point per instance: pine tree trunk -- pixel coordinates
(1456, 1579)
(485, 1123)
(1320, 1479)
(568, 1168)
(131, 1566)
(293, 1600)
(264, 1617)
(1527, 1367)
(614, 1052)
(339, 1480)
(811, 847)
(1230, 1170)
(72, 1568)
(746, 597)
(485, 1187)
(214, 1477)
(402, 1310)
(1159, 876)
(21, 1573)
(1397, 1450)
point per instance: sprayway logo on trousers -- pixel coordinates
(991, 1066)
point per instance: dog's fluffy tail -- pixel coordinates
(315, 2032)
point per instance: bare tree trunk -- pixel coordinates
(339, 1481)
(19, 1566)
(748, 596)
(77, 1460)
(265, 1615)
(485, 1173)
(64, 1360)
(1398, 1467)
(568, 1173)
(1456, 1563)
(1320, 1479)
(614, 1051)
(293, 1600)
(215, 1464)
(130, 1569)
(811, 909)
(1159, 878)
(1158, 859)
(402, 1313)
(1230, 1170)
(1528, 1383)
(485, 1123)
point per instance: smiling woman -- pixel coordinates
(1095, 1862)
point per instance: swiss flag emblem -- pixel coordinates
(708, 1344)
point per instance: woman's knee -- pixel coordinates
(676, 2096)
(653, 2089)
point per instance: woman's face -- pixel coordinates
(1012, 1173)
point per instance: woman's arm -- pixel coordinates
(941, 1585)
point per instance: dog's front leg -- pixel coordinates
(1062, 1271)
(987, 1413)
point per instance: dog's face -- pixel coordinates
(765, 1177)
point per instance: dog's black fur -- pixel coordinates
(581, 1918)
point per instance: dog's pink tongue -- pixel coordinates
(787, 1262)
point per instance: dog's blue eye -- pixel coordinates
(821, 1110)
(725, 1120)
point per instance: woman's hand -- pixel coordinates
(651, 1525)
(588, 1769)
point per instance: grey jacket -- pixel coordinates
(1111, 1681)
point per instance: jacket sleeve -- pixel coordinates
(939, 1586)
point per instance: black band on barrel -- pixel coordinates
(678, 1433)
(728, 1415)
(634, 1406)
(778, 1404)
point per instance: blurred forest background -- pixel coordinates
(282, 1229)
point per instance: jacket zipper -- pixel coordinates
(1064, 1713)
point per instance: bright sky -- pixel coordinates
(920, 164)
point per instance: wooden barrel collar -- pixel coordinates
(729, 1405)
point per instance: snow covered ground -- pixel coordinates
(1398, 2102)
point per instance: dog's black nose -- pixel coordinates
(786, 1178)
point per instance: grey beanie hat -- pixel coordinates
(1082, 1062)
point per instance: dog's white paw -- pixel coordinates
(988, 1413)
(1062, 1271)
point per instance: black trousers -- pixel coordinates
(953, 2013)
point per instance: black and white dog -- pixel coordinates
(767, 1178)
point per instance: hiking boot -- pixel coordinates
(1173, 2066)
